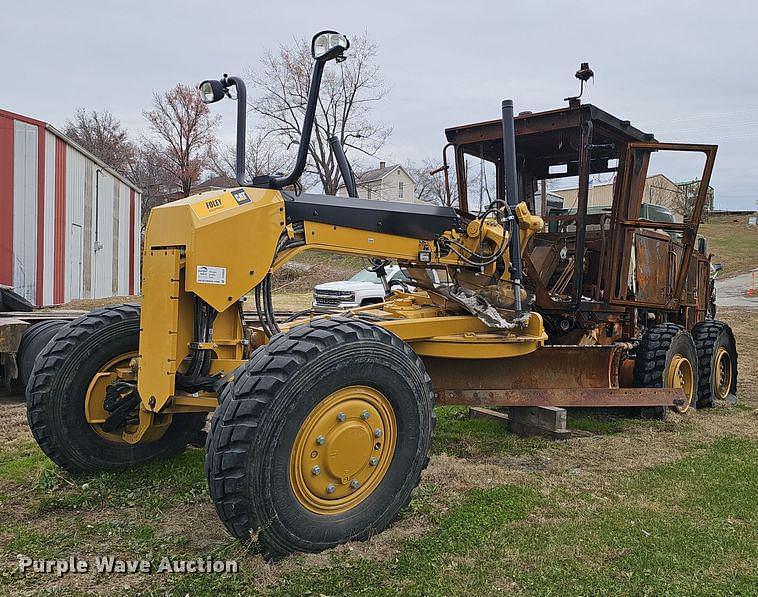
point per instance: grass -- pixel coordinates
(733, 243)
(637, 508)
(458, 435)
(686, 528)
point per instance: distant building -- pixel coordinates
(554, 201)
(385, 183)
(659, 190)
(69, 224)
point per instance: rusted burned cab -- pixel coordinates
(608, 276)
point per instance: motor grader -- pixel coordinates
(322, 423)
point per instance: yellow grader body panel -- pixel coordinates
(219, 245)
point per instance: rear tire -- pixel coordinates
(256, 430)
(34, 340)
(717, 362)
(660, 349)
(58, 385)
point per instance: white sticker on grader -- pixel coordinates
(208, 274)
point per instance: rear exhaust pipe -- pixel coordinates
(509, 168)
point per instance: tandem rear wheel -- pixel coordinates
(321, 438)
(703, 363)
(66, 393)
(667, 358)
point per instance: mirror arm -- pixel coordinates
(279, 182)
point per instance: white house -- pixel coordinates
(386, 183)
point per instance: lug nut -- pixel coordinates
(341, 417)
(374, 461)
(365, 415)
(377, 433)
(316, 470)
(330, 488)
(355, 484)
(320, 440)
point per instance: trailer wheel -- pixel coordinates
(667, 358)
(321, 438)
(63, 389)
(35, 339)
(717, 362)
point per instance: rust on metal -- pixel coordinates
(548, 367)
(563, 397)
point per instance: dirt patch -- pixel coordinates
(14, 427)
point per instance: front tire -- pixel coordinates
(58, 386)
(321, 438)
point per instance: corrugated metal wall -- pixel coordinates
(24, 208)
(69, 228)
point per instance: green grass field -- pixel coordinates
(733, 243)
(634, 508)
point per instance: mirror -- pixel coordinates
(717, 267)
(211, 91)
(329, 44)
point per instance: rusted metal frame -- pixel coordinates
(446, 170)
(563, 397)
(667, 226)
(581, 209)
(544, 300)
(602, 259)
(460, 177)
(549, 367)
(610, 262)
(629, 208)
(689, 229)
(691, 233)
(597, 166)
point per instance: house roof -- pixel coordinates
(379, 174)
(375, 174)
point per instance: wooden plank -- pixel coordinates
(11, 330)
(477, 412)
(545, 417)
(549, 421)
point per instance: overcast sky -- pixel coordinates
(686, 71)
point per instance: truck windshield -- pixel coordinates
(365, 276)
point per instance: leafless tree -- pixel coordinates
(182, 130)
(349, 91)
(146, 170)
(430, 188)
(262, 156)
(101, 134)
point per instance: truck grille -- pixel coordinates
(332, 298)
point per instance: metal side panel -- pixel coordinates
(49, 225)
(410, 220)
(25, 209)
(159, 327)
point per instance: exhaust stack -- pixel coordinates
(511, 198)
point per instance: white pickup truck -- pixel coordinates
(364, 288)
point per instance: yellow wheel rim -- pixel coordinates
(343, 450)
(94, 411)
(722, 381)
(681, 375)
